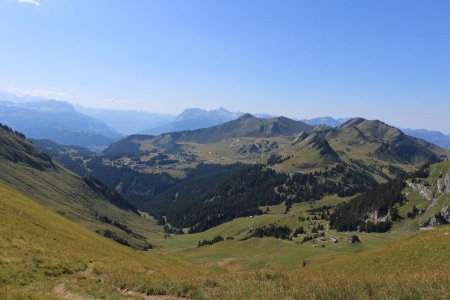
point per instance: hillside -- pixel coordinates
(432, 136)
(177, 177)
(375, 140)
(244, 126)
(291, 146)
(25, 168)
(81, 263)
(45, 256)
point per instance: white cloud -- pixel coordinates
(34, 2)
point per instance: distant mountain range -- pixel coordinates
(196, 118)
(329, 121)
(435, 137)
(97, 128)
(127, 121)
(57, 121)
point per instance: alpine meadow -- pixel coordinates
(224, 149)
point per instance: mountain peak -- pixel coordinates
(353, 122)
(246, 125)
(246, 116)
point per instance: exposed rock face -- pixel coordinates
(445, 214)
(430, 222)
(258, 147)
(374, 218)
(443, 184)
(423, 190)
(299, 138)
(442, 218)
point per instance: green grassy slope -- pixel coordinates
(45, 256)
(26, 169)
(39, 249)
(255, 253)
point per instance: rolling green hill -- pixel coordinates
(299, 147)
(379, 141)
(28, 170)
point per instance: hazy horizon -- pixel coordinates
(378, 60)
(216, 108)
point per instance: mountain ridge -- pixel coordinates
(58, 121)
(197, 118)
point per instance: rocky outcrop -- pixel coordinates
(443, 184)
(258, 147)
(430, 222)
(300, 137)
(442, 218)
(375, 218)
(423, 190)
(445, 214)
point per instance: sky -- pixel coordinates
(387, 60)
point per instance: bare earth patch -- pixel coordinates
(150, 297)
(60, 291)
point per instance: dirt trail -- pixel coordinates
(61, 292)
(150, 297)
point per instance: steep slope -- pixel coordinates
(57, 121)
(43, 254)
(25, 168)
(71, 157)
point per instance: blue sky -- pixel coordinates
(388, 60)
